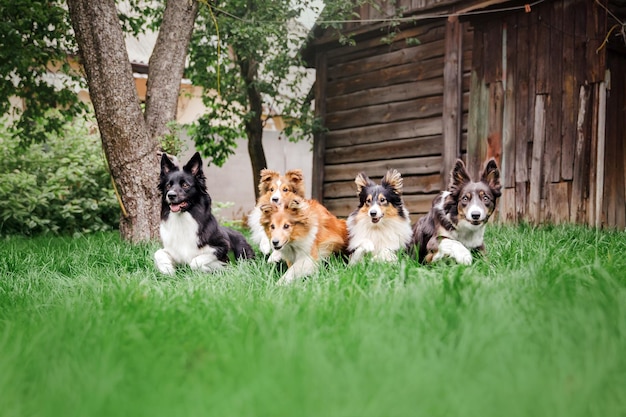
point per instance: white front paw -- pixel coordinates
(455, 250)
(275, 257)
(265, 246)
(356, 256)
(164, 262)
(386, 255)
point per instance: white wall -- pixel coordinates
(233, 182)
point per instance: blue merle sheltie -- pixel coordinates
(189, 231)
(380, 226)
(455, 225)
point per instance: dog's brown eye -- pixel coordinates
(272, 189)
(285, 189)
(285, 226)
(486, 198)
(465, 199)
(272, 227)
(185, 186)
(382, 200)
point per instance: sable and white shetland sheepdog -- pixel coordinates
(273, 188)
(380, 225)
(455, 225)
(189, 231)
(304, 232)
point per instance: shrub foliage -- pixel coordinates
(60, 186)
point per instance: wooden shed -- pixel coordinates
(540, 86)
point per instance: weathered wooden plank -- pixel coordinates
(492, 54)
(319, 139)
(592, 155)
(521, 201)
(452, 96)
(506, 206)
(423, 107)
(580, 180)
(509, 51)
(409, 166)
(387, 76)
(385, 94)
(415, 204)
(522, 86)
(478, 126)
(552, 156)
(569, 92)
(614, 212)
(399, 148)
(422, 52)
(425, 32)
(557, 203)
(600, 154)
(536, 183)
(596, 31)
(412, 184)
(495, 121)
(378, 133)
(541, 20)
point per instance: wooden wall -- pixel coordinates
(538, 105)
(383, 108)
(529, 89)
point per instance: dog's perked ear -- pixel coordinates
(491, 175)
(167, 165)
(393, 179)
(267, 176)
(296, 177)
(296, 205)
(362, 181)
(458, 177)
(194, 166)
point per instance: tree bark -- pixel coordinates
(130, 140)
(254, 125)
(167, 65)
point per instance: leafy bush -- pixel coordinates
(60, 186)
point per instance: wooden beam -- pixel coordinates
(452, 94)
(600, 154)
(319, 139)
(539, 132)
(577, 204)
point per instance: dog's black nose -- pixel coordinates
(275, 242)
(171, 195)
(475, 215)
(372, 213)
(275, 200)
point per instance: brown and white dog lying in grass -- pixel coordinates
(273, 188)
(305, 233)
(455, 225)
(380, 225)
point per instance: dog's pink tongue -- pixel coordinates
(175, 207)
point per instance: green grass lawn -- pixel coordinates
(89, 328)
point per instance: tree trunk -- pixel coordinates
(167, 64)
(254, 125)
(128, 139)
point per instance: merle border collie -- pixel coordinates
(455, 225)
(380, 225)
(189, 231)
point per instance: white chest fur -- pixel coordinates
(179, 234)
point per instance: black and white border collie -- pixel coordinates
(380, 225)
(455, 225)
(189, 231)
